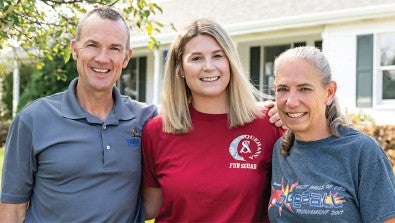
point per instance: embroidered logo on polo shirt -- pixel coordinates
(245, 148)
(135, 141)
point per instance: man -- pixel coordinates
(75, 156)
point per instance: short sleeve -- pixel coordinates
(377, 190)
(148, 149)
(19, 165)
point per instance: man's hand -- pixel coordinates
(273, 114)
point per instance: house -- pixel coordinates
(357, 36)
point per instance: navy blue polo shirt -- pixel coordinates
(72, 166)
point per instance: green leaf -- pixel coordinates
(149, 28)
(40, 65)
(32, 29)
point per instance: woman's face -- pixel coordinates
(302, 99)
(206, 68)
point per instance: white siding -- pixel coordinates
(339, 44)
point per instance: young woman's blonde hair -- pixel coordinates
(176, 96)
(335, 118)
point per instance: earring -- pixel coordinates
(328, 102)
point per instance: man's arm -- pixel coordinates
(12, 213)
(152, 199)
(391, 220)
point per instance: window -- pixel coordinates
(261, 63)
(271, 52)
(386, 73)
(133, 79)
(381, 77)
(318, 44)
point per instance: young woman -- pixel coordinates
(323, 169)
(207, 157)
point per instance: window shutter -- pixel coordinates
(255, 58)
(364, 75)
(143, 78)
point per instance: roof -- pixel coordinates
(240, 17)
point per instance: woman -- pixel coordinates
(208, 155)
(323, 170)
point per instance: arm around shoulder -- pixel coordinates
(391, 220)
(12, 213)
(153, 199)
(274, 118)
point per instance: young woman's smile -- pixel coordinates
(206, 68)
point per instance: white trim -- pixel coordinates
(314, 19)
(142, 41)
(378, 101)
(15, 90)
(157, 61)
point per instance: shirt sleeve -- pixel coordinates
(19, 165)
(377, 188)
(148, 149)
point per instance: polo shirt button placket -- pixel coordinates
(108, 147)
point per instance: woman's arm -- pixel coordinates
(273, 113)
(152, 199)
(391, 220)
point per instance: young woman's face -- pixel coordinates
(205, 67)
(302, 99)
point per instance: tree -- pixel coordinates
(43, 28)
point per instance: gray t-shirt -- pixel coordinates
(336, 179)
(72, 166)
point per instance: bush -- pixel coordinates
(4, 126)
(383, 134)
(36, 83)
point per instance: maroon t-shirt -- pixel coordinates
(212, 174)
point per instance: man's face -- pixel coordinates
(101, 53)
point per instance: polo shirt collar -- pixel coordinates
(70, 108)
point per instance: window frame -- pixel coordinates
(379, 102)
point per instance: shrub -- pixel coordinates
(4, 126)
(383, 134)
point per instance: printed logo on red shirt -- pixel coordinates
(245, 148)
